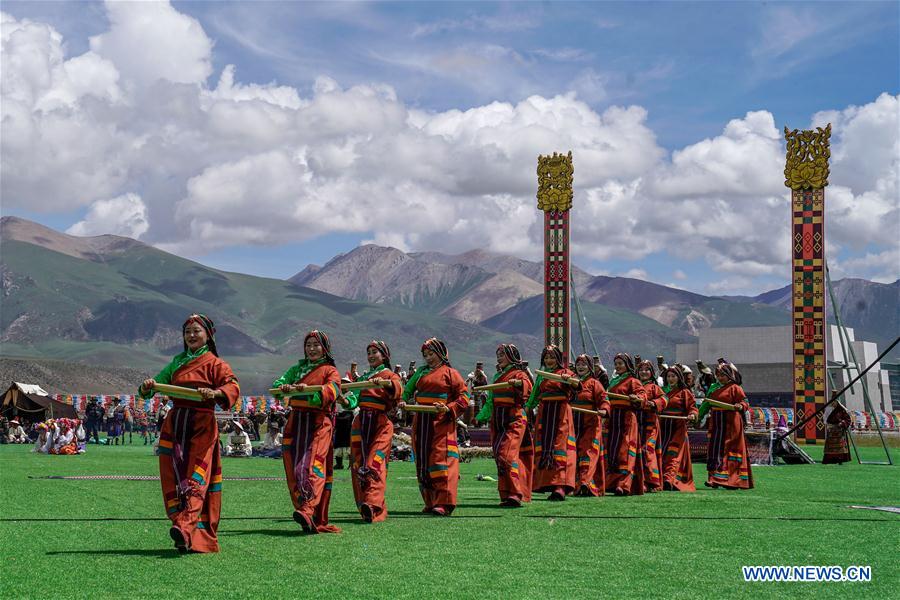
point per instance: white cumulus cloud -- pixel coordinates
(123, 215)
(134, 129)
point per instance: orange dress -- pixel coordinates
(674, 442)
(650, 436)
(727, 461)
(308, 449)
(554, 449)
(624, 466)
(370, 444)
(591, 465)
(434, 437)
(190, 465)
(509, 434)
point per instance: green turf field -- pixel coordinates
(110, 538)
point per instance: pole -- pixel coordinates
(837, 395)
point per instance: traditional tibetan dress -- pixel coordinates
(652, 450)
(370, 441)
(591, 464)
(434, 436)
(190, 465)
(837, 447)
(727, 462)
(510, 435)
(674, 441)
(554, 448)
(307, 447)
(624, 466)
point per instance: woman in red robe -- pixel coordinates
(504, 409)
(372, 432)
(554, 448)
(308, 440)
(590, 475)
(434, 434)
(653, 405)
(677, 473)
(837, 426)
(624, 466)
(190, 467)
(727, 462)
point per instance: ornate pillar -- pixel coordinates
(806, 173)
(554, 196)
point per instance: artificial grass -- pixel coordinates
(109, 538)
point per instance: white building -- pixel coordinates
(764, 355)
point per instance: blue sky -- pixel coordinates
(688, 70)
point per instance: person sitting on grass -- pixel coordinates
(238, 441)
(16, 433)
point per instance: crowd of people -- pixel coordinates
(564, 429)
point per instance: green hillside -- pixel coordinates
(127, 311)
(614, 330)
(723, 313)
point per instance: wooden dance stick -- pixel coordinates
(176, 391)
(722, 405)
(505, 385)
(366, 385)
(620, 397)
(345, 387)
(677, 417)
(310, 389)
(559, 378)
(421, 408)
(585, 410)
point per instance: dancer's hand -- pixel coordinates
(148, 385)
(208, 393)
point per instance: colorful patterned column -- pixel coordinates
(806, 173)
(554, 197)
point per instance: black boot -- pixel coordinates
(339, 462)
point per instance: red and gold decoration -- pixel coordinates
(806, 173)
(554, 196)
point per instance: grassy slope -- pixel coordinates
(254, 313)
(740, 314)
(108, 538)
(614, 329)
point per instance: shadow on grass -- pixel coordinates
(706, 518)
(149, 552)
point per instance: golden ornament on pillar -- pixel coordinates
(555, 182)
(808, 151)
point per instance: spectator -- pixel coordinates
(238, 441)
(128, 422)
(40, 444)
(93, 419)
(142, 424)
(16, 434)
(353, 373)
(475, 379)
(4, 430)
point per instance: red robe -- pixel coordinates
(370, 444)
(434, 437)
(554, 448)
(308, 448)
(727, 462)
(650, 436)
(190, 466)
(674, 442)
(837, 447)
(509, 428)
(624, 467)
(591, 465)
